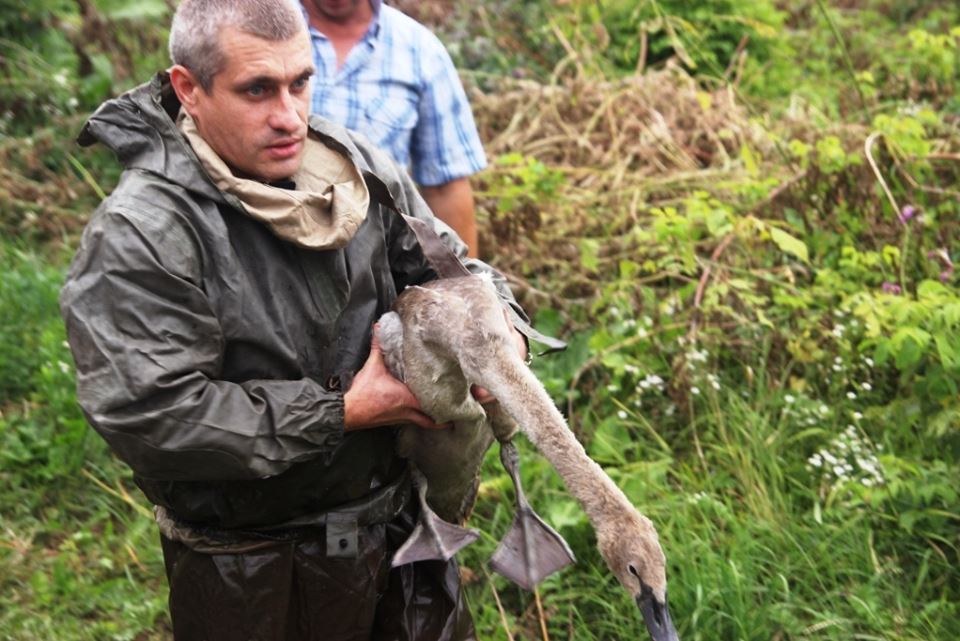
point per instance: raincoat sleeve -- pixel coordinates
(148, 351)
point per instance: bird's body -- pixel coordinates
(453, 333)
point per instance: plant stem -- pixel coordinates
(847, 63)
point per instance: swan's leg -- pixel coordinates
(433, 539)
(532, 550)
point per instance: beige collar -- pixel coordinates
(323, 212)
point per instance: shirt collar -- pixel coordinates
(372, 31)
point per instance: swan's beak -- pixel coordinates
(657, 617)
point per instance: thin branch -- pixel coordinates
(496, 598)
(540, 615)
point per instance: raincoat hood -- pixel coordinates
(147, 130)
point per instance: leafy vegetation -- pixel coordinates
(749, 244)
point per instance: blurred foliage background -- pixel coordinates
(743, 217)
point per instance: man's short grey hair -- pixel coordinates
(195, 32)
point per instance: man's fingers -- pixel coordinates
(481, 394)
(375, 341)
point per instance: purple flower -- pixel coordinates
(890, 288)
(946, 274)
(906, 214)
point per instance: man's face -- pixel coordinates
(255, 116)
(336, 10)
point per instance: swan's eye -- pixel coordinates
(633, 570)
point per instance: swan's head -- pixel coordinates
(632, 550)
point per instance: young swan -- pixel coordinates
(452, 333)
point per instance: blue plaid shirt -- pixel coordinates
(398, 86)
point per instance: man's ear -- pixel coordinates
(186, 87)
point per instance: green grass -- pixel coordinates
(79, 556)
(759, 548)
(750, 557)
(764, 539)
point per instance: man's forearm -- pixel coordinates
(453, 203)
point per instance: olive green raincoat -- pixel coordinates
(215, 324)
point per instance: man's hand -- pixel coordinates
(376, 398)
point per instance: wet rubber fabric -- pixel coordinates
(212, 355)
(294, 591)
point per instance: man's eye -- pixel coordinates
(256, 90)
(300, 83)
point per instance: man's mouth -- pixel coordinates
(285, 148)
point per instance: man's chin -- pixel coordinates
(277, 170)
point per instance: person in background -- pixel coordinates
(381, 73)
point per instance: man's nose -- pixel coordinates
(285, 115)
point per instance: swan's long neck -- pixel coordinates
(523, 397)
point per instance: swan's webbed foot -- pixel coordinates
(532, 550)
(433, 539)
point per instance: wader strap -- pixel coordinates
(339, 526)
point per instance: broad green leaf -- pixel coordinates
(932, 289)
(628, 269)
(948, 348)
(589, 254)
(909, 344)
(789, 244)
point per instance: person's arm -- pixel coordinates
(148, 349)
(445, 146)
(452, 202)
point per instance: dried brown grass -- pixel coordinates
(639, 126)
(622, 146)
(43, 195)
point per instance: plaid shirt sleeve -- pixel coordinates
(445, 144)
